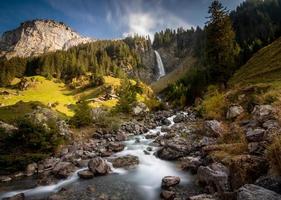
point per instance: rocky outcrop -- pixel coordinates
(36, 37)
(254, 192)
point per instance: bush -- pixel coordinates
(107, 120)
(83, 116)
(274, 154)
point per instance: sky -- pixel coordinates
(109, 19)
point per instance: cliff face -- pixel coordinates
(35, 37)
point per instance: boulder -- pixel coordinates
(140, 108)
(203, 197)
(246, 169)
(125, 161)
(170, 181)
(152, 135)
(213, 128)
(167, 195)
(19, 196)
(63, 169)
(120, 136)
(179, 118)
(86, 174)
(270, 182)
(166, 122)
(5, 179)
(263, 112)
(190, 163)
(31, 169)
(99, 166)
(116, 146)
(255, 135)
(206, 141)
(234, 111)
(215, 176)
(271, 124)
(257, 148)
(254, 192)
(8, 128)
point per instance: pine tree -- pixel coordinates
(221, 47)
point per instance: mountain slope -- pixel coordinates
(36, 37)
(264, 66)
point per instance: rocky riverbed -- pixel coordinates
(167, 155)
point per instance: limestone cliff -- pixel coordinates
(35, 37)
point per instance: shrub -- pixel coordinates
(83, 115)
(274, 154)
(154, 104)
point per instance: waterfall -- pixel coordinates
(160, 65)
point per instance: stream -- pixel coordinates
(140, 183)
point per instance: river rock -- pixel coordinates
(125, 161)
(116, 146)
(203, 197)
(234, 111)
(179, 118)
(254, 192)
(5, 179)
(63, 169)
(152, 135)
(99, 166)
(170, 181)
(166, 122)
(255, 135)
(167, 195)
(246, 169)
(213, 128)
(270, 182)
(19, 196)
(263, 112)
(31, 169)
(190, 163)
(86, 174)
(215, 176)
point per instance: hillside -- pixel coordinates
(263, 67)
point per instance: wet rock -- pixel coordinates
(116, 146)
(165, 128)
(120, 136)
(255, 135)
(31, 169)
(170, 181)
(203, 197)
(63, 169)
(86, 174)
(16, 197)
(179, 118)
(234, 111)
(246, 169)
(166, 122)
(190, 163)
(50, 163)
(146, 152)
(213, 128)
(167, 195)
(215, 176)
(152, 135)
(263, 112)
(254, 192)
(125, 161)
(99, 166)
(149, 148)
(270, 182)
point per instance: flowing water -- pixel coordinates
(160, 65)
(140, 183)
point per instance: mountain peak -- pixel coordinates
(39, 36)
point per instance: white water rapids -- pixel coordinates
(160, 65)
(144, 181)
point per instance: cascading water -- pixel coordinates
(140, 183)
(160, 65)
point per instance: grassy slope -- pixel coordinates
(175, 75)
(263, 67)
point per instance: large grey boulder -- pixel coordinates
(213, 128)
(128, 161)
(254, 192)
(170, 181)
(64, 169)
(216, 176)
(234, 111)
(99, 166)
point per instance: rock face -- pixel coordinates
(254, 192)
(35, 37)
